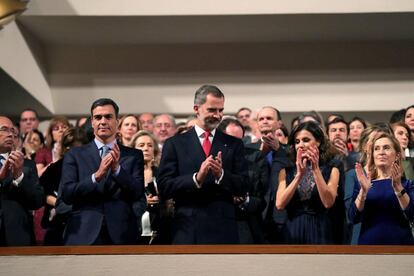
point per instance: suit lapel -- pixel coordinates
(219, 144)
(92, 155)
(194, 147)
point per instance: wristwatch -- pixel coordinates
(401, 193)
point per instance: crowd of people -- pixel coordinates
(214, 179)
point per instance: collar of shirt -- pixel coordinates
(200, 133)
(99, 144)
(5, 156)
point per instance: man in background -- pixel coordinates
(164, 128)
(250, 206)
(20, 191)
(29, 120)
(146, 121)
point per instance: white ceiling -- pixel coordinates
(98, 30)
(88, 56)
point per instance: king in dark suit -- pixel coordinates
(102, 180)
(202, 170)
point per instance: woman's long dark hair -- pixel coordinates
(73, 136)
(326, 150)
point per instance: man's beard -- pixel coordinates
(211, 123)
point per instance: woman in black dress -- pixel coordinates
(54, 216)
(153, 215)
(310, 188)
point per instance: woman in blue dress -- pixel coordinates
(365, 144)
(308, 189)
(383, 199)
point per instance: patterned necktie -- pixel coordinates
(206, 143)
(105, 150)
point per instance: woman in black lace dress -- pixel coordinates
(309, 188)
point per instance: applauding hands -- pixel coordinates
(269, 142)
(109, 161)
(303, 156)
(13, 165)
(213, 164)
(364, 180)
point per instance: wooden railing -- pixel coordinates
(206, 249)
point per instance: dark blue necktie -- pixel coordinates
(269, 158)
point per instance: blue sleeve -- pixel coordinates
(354, 215)
(409, 211)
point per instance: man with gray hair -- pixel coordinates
(164, 128)
(202, 170)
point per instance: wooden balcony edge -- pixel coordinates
(206, 249)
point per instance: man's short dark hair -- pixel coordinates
(335, 121)
(105, 101)
(397, 116)
(336, 115)
(31, 110)
(313, 114)
(359, 119)
(243, 109)
(229, 121)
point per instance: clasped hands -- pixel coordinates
(13, 165)
(237, 200)
(152, 199)
(213, 164)
(108, 162)
(269, 142)
(341, 146)
(304, 156)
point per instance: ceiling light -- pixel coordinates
(9, 9)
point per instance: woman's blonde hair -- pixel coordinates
(121, 121)
(157, 152)
(366, 138)
(395, 144)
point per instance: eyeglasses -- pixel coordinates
(8, 130)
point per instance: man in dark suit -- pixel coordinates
(269, 120)
(202, 170)
(102, 180)
(20, 191)
(250, 206)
